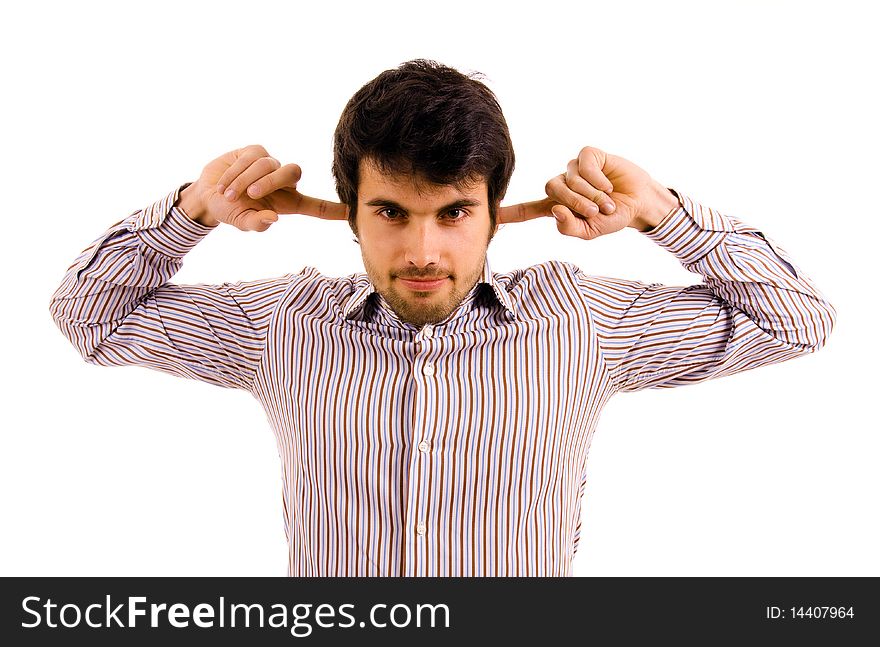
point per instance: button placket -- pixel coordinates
(420, 464)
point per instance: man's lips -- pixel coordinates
(422, 284)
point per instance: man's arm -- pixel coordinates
(756, 306)
(117, 308)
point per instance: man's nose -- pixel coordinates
(422, 244)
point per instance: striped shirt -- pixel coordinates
(452, 449)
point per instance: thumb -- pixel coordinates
(571, 225)
(253, 219)
(565, 219)
(267, 219)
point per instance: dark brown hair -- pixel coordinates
(426, 120)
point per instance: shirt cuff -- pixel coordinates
(691, 231)
(166, 228)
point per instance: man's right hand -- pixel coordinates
(261, 189)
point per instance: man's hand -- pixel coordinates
(261, 188)
(598, 194)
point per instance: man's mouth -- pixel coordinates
(422, 285)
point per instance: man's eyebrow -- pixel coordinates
(385, 202)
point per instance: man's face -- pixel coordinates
(411, 231)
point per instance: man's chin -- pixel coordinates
(421, 316)
(416, 310)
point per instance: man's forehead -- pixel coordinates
(373, 182)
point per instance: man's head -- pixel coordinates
(422, 158)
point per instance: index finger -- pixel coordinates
(309, 206)
(526, 211)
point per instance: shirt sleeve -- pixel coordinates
(755, 307)
(117, 308)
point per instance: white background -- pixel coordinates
(763, 110)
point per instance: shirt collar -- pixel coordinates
(363, 288)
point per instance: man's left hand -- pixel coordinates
(598, 194)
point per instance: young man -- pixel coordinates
(433, 417)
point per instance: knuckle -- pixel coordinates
(267, 163)
(587, 205)
(552, 186)
(586, 164)
(238, 183)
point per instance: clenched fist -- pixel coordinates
(598, 194)
(247, 188)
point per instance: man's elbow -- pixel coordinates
(822, 321)
(78, 336)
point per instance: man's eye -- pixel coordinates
(389, 209)
(390, 214)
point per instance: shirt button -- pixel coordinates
(423, 446)
(420, 529)
(428, 331)
(429, 369)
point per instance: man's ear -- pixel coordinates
(497, 222)
(492, 235)
(353, 227)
